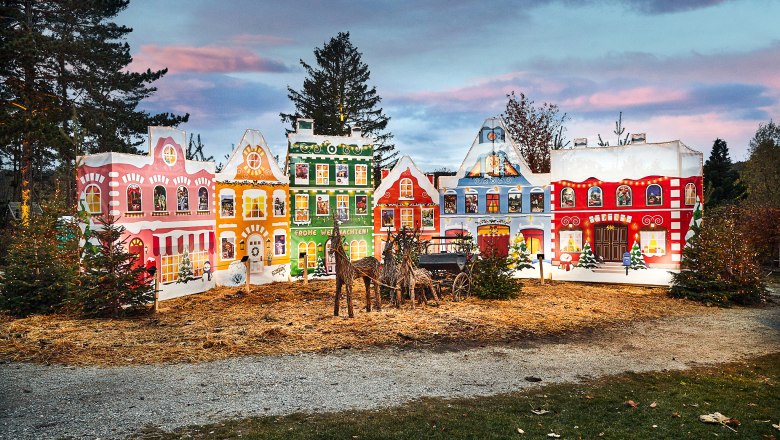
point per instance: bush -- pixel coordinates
(492, 279)
(719, 266)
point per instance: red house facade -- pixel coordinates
(612, 197)
(406, 198)
(165, 202)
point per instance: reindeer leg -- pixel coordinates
(411, 293)
(377, 297)
(397, 296)
(367, 282)
(350, 312)
(337, 298)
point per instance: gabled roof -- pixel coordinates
(403, 164)
(251, 139)
(494, 140)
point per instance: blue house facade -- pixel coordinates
(494, 196)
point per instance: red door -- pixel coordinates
(137, 247)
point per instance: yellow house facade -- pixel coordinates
(252, 218)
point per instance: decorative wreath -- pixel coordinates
(255, 251)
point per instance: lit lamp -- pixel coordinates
(241, 245)
(270, 253)
(319, 248)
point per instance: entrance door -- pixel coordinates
(256, 253)
(610, 241)
(136, 248)
(493, 240)
(533, 241)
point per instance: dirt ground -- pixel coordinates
(284, 318)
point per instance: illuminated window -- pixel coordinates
(623, 196)
(357, 249)
(301, 207)
(133, 198)
(571, 241)
(492, 202)
(92, 199)
(342, 207)
(407, 218)
(254, 207)
(182, 199)
(654, 195)
(653, 242)
(169, 154)
(690, 194)
(567, 197)
(407, 189)
(361, 174)
(311, 251)
(322, 173)
(169, 270)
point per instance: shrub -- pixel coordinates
(492, 279)
(719, 266)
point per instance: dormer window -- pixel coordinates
(407, 189)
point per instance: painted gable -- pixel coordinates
(390, 188)
(252, 160)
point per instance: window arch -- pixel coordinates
(311, 251)
(357, 249)
(136, 248)
(654, 195)
(203, 199)
(92, 199)
(182, 199)
(134, 198)
(160, 198)
(407, 189)
(623, 196)
(690, 194)
(492, 201)
(595, 197)
(567, 197)
(515, 201)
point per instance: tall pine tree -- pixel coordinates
(721, 180)
(761, 171)
(337, 96)
(60, 57)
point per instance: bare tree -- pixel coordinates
(536, 130)
(619, 130)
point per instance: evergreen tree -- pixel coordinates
(58, 57)
(185, 267)
(721, 180)
(41, 265)
(492, 279)
(536, 130)
(695, 224)
(761, 172)
(112, 283)
(337, 96)
(637, 259)
(587, 259)
(320, 270)
(619, 130)
(519, 256)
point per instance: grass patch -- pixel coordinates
(746, 391)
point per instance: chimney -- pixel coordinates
(385, 172)
(638, 138)
(305, 126)
(580, 142)
(356, 131)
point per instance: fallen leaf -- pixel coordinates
(715, 417)
(539, 412)
(777, 427)
(520, 431)
(553, 435)
(587, 397)
(631, 403)
(653, 405)
(676, 414)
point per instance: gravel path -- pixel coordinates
(54, 401)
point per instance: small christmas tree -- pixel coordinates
(519, 256)
(111, 282)
(637, 260)
(320, 270)
(185, 267)
(587, 259)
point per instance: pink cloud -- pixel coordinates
(203, 59)
(610, 99)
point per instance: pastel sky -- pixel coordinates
(692, 70)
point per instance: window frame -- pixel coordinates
(544, 200)
(164, 198)
(573, 197)
(207, 199)
(299, 209)
(495, 196)
(594, 188)
(630, 196)
(140, 198)
(249, 207)
(406, 189)
(647, 195)
(407, 216)
(222, 198)
(342, 198)
(186, 198)
(361, 174)
(509, 197)
(89, 198)
(322, 174)
(693, 194)
(575, 234)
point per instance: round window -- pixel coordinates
(253, 160)
(169, 154)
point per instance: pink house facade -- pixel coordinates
(165, 202)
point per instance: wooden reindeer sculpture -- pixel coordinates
(346, 272)
(411, 277)
(389, 272)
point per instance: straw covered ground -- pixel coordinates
(291, 318)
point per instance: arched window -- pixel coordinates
(203, 199)
(595, 197)
(623, 196)
(160, 200)
(357, 249)
(492, 202)
(537, 201)
(690, 194)
(136, 248)
(92, 199)
(182, 199)
(407, 189)
(654, 195)
(567, 197)
(471, 202)
(515, 201)
(312, 253)
(134, 198)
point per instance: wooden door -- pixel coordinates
(610, 241)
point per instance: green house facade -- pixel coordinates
(329, 175)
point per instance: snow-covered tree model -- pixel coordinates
(695, 224)
(637, 260)
(320, 270)
(587, 259)
(519, 256)
(185, 267)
